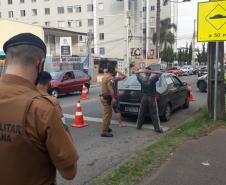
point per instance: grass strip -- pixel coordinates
(137, 166)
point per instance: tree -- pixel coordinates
(202, 57)
(165, 2)
(190, 54)
(167, 55)
(166, 36)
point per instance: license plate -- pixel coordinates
(131, 109)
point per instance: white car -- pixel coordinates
(187, 70)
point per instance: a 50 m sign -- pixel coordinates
(212, 21)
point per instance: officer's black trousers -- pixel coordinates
(148, 103)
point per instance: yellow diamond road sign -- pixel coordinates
(212, 21)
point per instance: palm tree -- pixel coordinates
(165, 34)
(165, 2)
(158, 25)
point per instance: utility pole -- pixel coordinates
(147, 30)
(126, 24)
(193, 44)
(91, 65)
(158, 28)
(95, 26)
(216, 98)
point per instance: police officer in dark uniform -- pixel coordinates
(33, 140)
(148, 101)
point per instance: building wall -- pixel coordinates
(8, 30)
(113, 43)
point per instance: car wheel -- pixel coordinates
(55, 93)
(186, 103)
(167, 113)
(202, 86)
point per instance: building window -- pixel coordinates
(60, 10)
(152, 30)
(78, 9)
(81, 49)
(47, 23)
(34, 12)
(92, 50)
(152, 8)
(10, 14)
(70, 24)
(70, 9)
(10, 1)
(101, 36)
(22, 13)
(101, 21)
(152, 19)
(61, 24)
(101, 6)
(102, 51)
(21, 1)
(33, 1)
(47, 11)
(80, 38)
(90, 22)
(78, 23)
(89, 7)
(144, 31)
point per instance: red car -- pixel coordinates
(175, 70)
(65, 82)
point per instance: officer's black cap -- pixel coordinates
(24, 39)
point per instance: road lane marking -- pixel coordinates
(114, 122)
(66, 105)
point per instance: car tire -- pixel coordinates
(55, 93)
(186, 103)
(202, 86)
(167, 113)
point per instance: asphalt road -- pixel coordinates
(97, 154)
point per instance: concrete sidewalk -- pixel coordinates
(196, 162)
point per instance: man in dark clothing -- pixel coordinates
(118, 76)
(148, 101)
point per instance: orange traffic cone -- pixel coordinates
(79, 120)
(84, 93)
(190, 96)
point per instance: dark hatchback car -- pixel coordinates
(65, 82)
(171, 94)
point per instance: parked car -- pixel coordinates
(175, 70)
(65, 82)
(195, 70)
(203, 70)
(171, 94)
(202, 83)
(187, 70)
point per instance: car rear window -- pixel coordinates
(133, 82)
(55, 75)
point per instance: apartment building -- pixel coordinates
(104, 18)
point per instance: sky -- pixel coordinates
(187, 12)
